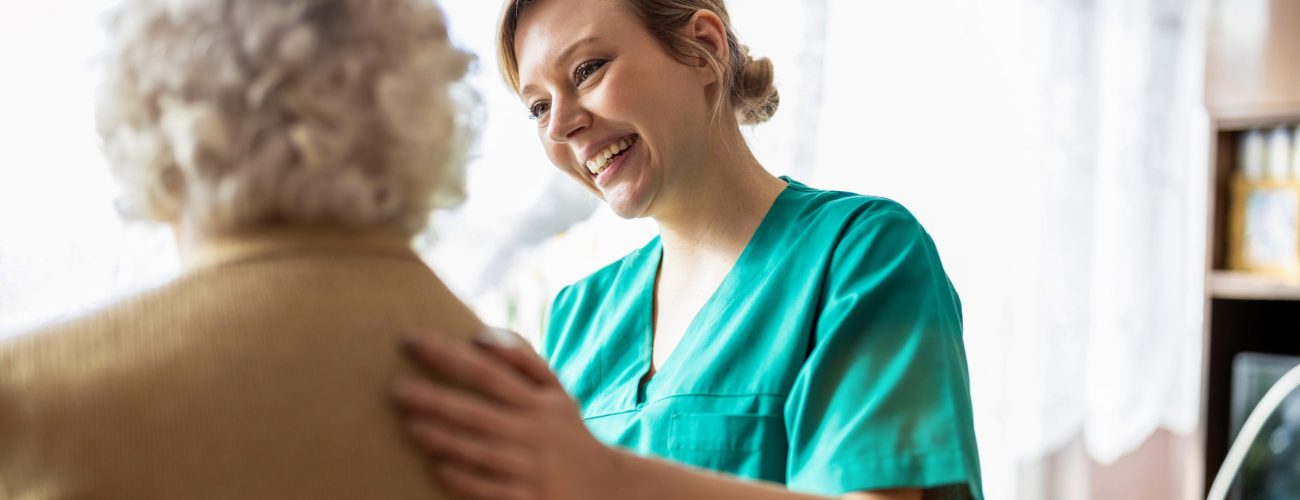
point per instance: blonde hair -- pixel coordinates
(747, 82)
(240, 113)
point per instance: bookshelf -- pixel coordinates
(1252, 81)
(1233, 285)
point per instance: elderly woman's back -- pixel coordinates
(296, 147)
(261, 374)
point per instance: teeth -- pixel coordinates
(598, 162)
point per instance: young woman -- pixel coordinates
(795, 342)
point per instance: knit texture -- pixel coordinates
(263, 376)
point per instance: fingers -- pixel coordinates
(522, 357)
(432, 401)
(466, 483)
(471, 451)
(484, 374)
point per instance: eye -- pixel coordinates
(587, 69)
(538, 109)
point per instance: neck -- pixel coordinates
(718, 208)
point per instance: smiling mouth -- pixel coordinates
(606, 157)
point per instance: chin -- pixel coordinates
(627, 203)
(627, 211)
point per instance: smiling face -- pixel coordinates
(614, 109)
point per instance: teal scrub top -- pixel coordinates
(830, 359)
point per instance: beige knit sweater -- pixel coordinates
(262, 373)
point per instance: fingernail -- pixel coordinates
(497, 337)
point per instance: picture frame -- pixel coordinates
(1265, 228)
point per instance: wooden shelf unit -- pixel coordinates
(1246, 118)
(1232, 285)
(1252, 81)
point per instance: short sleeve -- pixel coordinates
(883, 399)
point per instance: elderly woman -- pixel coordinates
(295, 147)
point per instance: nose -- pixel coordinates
(568, 117)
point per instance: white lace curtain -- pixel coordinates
(1053, 148)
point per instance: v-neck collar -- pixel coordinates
(708, 312)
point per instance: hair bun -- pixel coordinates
(755, 92)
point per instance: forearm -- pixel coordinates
(639, 478)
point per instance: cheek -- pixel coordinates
(618, 99)
(642, 90)
(662, 96)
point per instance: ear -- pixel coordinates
(707, 29)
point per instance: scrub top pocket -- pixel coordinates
(734, 442)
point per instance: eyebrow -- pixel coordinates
(564, 56)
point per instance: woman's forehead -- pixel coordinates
(550, 31)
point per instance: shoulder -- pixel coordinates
(50, 363)
(873, 241)
(822, 206)
(856, 219)
(595, 283)
(575, 306)
(83, 350)
(602, 282)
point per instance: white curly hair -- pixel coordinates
(232, 114)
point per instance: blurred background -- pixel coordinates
(1087, 168)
